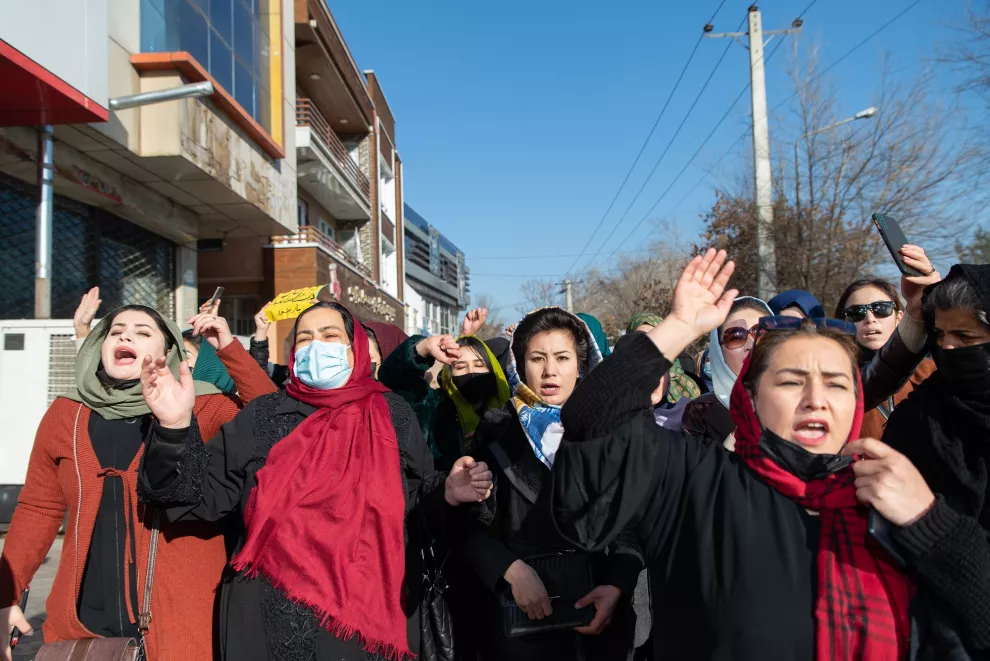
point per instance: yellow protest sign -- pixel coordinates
(288, 305)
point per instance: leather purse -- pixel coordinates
(435, 621)
(111, 649)
(567, 576)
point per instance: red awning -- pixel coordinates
(33, 95)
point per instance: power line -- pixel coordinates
(775, 108)
(725, 116)
(852, 50)
(687, 115)
(656, 123)
(573, 254)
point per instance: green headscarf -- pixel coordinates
(642, 318)
(209, 369)
(465, 412)
(595, 326)
(681, 385)
(127, 402)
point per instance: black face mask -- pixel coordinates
(799, 462)
(475, 387)
(966, 369)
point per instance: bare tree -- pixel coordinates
(538, 294)
(633, 286)
(910, 161)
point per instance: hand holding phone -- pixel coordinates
(211, 306)
(15, 635)
(892, 235)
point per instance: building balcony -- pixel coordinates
(310, 237)
(325, 168)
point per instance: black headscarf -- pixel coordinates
(943, 429)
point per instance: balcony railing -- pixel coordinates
(308, 115)
(309, 235)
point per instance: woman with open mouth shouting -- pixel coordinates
(769, 552)
(85, 462)
(547, 601)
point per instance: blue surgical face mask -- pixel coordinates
(323, 365)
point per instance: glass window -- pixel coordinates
(227, 37)
(244, 88)
(221, 61)
(194, 33)
(222, 18)
(152, 27)
(244, 44)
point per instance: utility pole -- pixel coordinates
(568, 295)
(766, 277)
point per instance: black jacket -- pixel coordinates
(737, 557)
(209, 481)
(524, 527)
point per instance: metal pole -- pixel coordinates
(43, 232)
(158, 96)
(766, 279)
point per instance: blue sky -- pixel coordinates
(517, 121)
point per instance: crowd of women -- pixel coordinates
(741, 479)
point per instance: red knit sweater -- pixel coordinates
(63, 474)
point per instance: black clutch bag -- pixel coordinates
(567, 576)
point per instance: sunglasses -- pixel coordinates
(737, 336)
(880, 310)
(768, 324)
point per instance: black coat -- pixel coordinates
(208, 482)
(524, 527)
(737, 557)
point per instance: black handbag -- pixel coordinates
(435, 622)
(567, 576)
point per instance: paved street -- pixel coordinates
(40, 587)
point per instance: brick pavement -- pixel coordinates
(40, 587)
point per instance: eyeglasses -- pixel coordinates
(768, 324)
(736, 337)
(880, 310)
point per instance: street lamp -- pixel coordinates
(862, 114)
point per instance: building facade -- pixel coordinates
(437, 279)
(349, 195)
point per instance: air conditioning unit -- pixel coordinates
(37, 364)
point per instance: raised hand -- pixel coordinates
(701, 303)
(473, 321)
(261, 324)
(86, 312)
(912, 287)
(700, 299)
(442, 348)
(170, 401)
(469, 481)
(207, 308)
(213, 329)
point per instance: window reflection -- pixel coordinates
(227, 37)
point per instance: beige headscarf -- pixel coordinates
(127, 402)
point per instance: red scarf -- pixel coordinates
(325, 524)
(861, 610)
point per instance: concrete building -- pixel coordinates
(349, 184)
(437, 279)
(135, 190)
